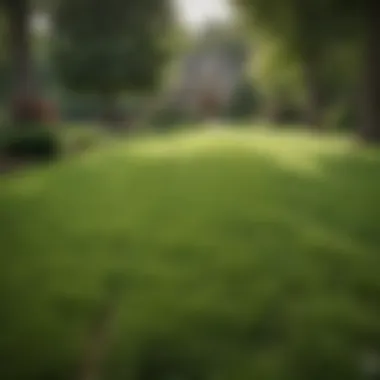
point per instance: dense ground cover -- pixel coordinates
(238, 255)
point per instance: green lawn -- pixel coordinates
(242, 255)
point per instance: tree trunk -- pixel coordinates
(370, 129)
(24, 92)
(19, 12)
(310, 48)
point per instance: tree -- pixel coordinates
(4, 58)
(17, 13)
(370, 130)
(107, 48)
(275, 73)
(311, 28)
(303, 28)
(25, 92)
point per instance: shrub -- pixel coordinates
(342, 116)
(169, 117)
(244, 102)
(37, 143)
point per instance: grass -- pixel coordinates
(242, 254)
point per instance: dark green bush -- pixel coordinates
(244, 102)
(167, 117)
(342, 116)
(37, 143)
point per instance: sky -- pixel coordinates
(194, 14)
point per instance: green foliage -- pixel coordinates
(110, 47)
(4, 56)
(108, 66)
(342, 115)
(276, 75)
(79, 108)
(76, 107)
(30, 142)
(244, 103)
(306, 40)
(241, 259)
(275, 70)
(169, 117)
(305, 27)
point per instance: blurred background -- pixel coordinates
(189, 190)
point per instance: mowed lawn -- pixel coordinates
(238, 255)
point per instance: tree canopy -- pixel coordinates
(111, 47)
(313, 32)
